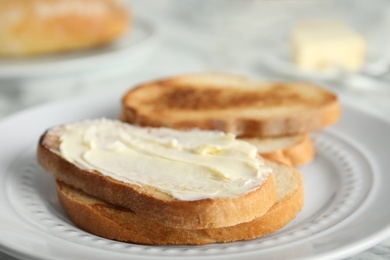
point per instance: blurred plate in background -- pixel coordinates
(142, 38)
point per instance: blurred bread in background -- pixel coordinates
(319, 45)
(35, 27)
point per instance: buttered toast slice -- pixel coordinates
(183, 179)
(124, 225)
(231, 104)
(294, 150)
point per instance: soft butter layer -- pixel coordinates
(189, 165)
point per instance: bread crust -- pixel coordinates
(231, 104)
(297, 151)
(102, 219)
(151, 203)
(38, 27)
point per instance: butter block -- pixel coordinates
(319, 45)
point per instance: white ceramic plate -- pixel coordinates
(280, 60)
(142, 37)
(346, 195)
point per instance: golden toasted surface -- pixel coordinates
(125, 225)
(37, 27)
(231, 104)
(187, 97)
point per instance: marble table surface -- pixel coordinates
(221, 36)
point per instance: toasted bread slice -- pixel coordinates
(294, 150)
(105, 220)
(231, 104)
(150, 202)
